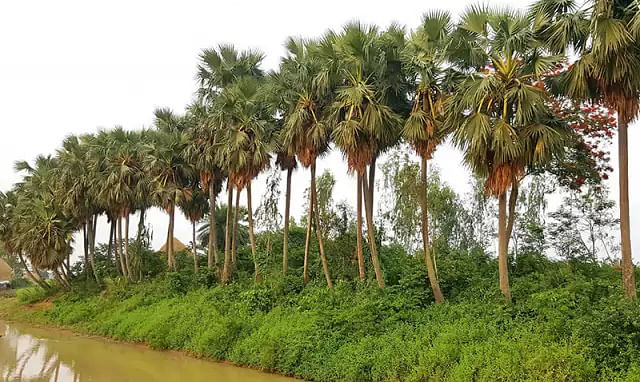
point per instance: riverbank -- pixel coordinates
(564, 325)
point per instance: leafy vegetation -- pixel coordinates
(567, 322)
(496, 82)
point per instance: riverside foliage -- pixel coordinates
(568, 321)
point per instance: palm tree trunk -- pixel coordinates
(372, 182)
(628, 277)
(503, 270)
(371, 234)
(212, 256)
(251, 234)
(90, 231)
(323, 258)
(307, 240)
(37, 280)
(111, 246)
(227, 239)
(359, 253)
(285, 242)
(65, 284)
(170, 255)
(513, 199)
(85, 243)
(234, 239)
(123, 267)
(126, 245)
(431, 272)
(193, 250)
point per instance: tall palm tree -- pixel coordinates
(606, 35)
(170, 172)
(40, 228)
(425, 60)
(201, 152)
(247, 140)
(218, 70)
(75, 179)
(310, 77)
(364, 123)
(282, 97)
(504, 125)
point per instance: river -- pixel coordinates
(33, 354)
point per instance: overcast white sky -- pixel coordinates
(69, 67)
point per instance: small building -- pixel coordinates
(178, 246)
(6, 272)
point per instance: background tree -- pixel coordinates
(268, 218)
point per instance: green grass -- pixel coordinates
(566, 324)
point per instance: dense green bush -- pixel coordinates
(567, 322)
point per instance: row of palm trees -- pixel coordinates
(486, 81)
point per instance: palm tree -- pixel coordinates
(606, 34)
(170, 173)
(117, 158)
(504, 125)
(75, 179)
(246, 140)
(8, 205)
(39, 227)
(194, 209)
(310, 78)
(201, 152)
(364, 122)
(218, 70)
(425, 59)
(282, 97)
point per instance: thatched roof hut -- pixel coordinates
(5, 271)
(177, 246)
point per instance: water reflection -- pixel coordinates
(29, 354)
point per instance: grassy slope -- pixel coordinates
(564, 326)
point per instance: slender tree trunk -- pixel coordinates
(212, 255)
(127, 255)
(359, 253)
(513, 200)
(431, 272)
(372, 183)
(194, 247)
(110, 243)
(628, 277)
(323, 258)
(252, 240)
(90, 230)
(285, 242)
(227, 239)
(65, 284)
(170, 255)
(234, 239)
(85, 243)
(37, 280)
(307, 240)
(503, 270)
(371, 235)
(123, 267)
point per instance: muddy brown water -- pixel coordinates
(35, 354)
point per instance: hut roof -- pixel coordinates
(5, 271)
(177, 246)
